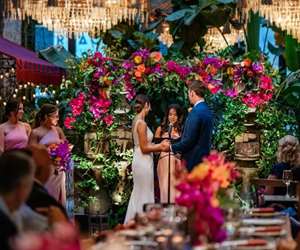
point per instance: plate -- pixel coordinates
(256, 244)
(262, 222)
(271, 214)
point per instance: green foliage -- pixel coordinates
(253, 31)
(275, 121)
(229, 125)
(292, 53)
(191, 20)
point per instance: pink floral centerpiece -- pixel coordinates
(199, 194)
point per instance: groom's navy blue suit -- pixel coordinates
(196, 138)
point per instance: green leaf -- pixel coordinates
(116, 34)
(154, 25)
(177, 15)
(292, 55)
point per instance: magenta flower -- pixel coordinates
(128, 65)
(232, 93)
(68, 122)
(266, 83)
(258, 67)
(77, 104)
(109, 120)
(98, 107)
(252, 100)
(130, 91)
(144, 53)
(215, 61)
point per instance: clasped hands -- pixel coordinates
(165, 145)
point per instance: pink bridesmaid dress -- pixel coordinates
(16, 138)
(163, 171)
(56, 183)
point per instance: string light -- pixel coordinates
(24, 98)
(4, 103)
(14, 95)
(1, 76)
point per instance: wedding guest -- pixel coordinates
(16, 178)
(288, 158)
(39, 198)
(14, 134)
(172, 123)
(48, 132)
(142, 164)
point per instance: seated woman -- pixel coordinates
(288, 158)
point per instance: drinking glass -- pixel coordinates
(287, 177)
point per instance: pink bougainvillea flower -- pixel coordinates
(99, 106)
(128, 65)
(69, 122)
(77, 104)
(109, 120)
(213, 88)
(266, 83)
(232, 93)
(130, 91)
(252, 100)
(266, 96)
(258, 67)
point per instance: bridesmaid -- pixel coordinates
(48, 132)
(14, 134)
(174, 117)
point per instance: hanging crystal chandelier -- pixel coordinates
(73, 17)
(217, 39)
(285, 14)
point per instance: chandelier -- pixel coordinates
(285, 14)
(73, 17)
(217, 39)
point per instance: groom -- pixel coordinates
(196, 138)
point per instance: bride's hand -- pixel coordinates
(165, 145)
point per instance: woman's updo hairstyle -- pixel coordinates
(46, 110)
(140, 102)
(289, 150)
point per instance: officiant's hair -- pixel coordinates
(140, 101)
(198, 87)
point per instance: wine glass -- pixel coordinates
(287, 177)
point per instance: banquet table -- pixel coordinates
(258, 229)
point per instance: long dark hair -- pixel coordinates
(178, 124)
(11, 106)
(140, 102)
(45, 111)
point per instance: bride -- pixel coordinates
(142, 164)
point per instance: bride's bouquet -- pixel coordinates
(60, 153)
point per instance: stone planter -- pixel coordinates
(94, 145)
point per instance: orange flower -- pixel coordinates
(247, 63)
(214, 201)
(199, 172)
(107, 81)
(156, 56)
(138, 74)
(222, 175)
(212, 70)
(141, 68)
(137, 59)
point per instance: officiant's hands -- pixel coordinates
(165, 145)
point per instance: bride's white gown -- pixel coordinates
(143, 176)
